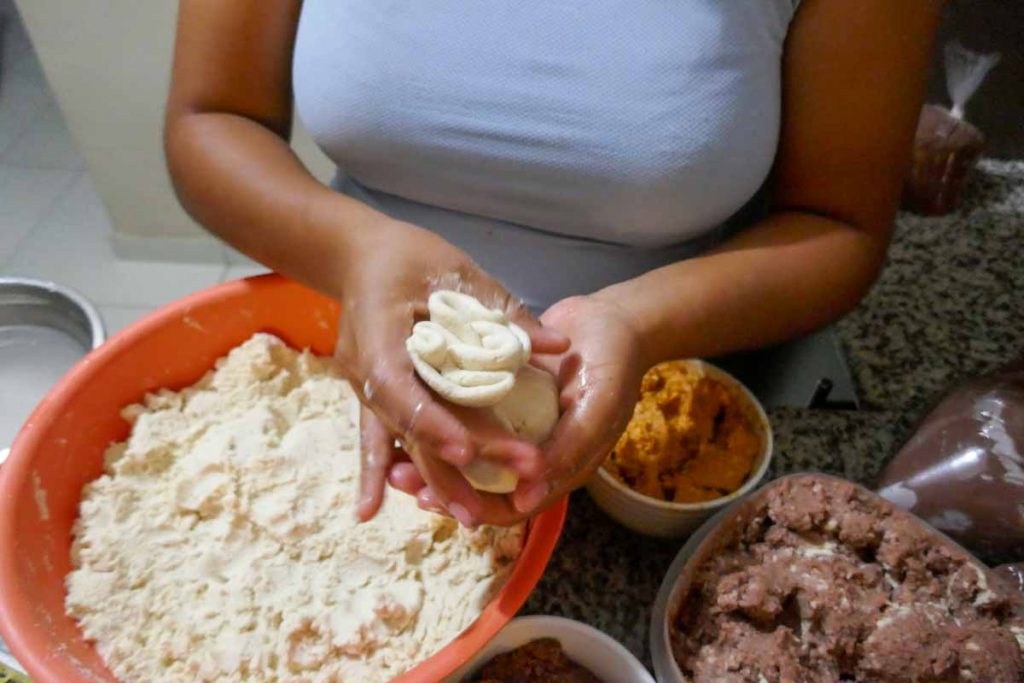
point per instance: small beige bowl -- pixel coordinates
(606, 658)
(653, 517)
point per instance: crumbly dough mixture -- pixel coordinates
(221, 544)
(691, 438)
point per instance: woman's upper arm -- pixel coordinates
(235, 56)
(853, 81)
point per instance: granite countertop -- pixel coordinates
(947, 307)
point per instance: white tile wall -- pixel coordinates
(21, 99)
(46, 143)
(71, 246)
(234, 272)
(27, 195)
(53, 224)
(116, 318)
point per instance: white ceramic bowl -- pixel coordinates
(665, 668)
(679, 576)
(604, 656)
(662, 519)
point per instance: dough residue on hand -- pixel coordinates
(221, 545)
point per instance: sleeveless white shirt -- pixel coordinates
(565, 144)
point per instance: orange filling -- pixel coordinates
(690, 439)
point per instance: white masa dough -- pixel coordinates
(473, 356)
(221, 543)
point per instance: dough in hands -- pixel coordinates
(530, 410)
(473, 356)
(489, 476)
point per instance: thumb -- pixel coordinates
(544, 340)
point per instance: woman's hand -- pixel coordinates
(383, 290)
(599, 379)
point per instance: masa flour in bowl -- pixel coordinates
(221, 543)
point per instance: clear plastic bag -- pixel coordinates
(1013, 574)
(965, 71)
(946, 146)
(963, 470)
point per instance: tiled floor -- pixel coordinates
(53, 225)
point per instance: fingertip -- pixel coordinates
(462, 515)
(431, 509)
(529, 468)
(367, 508)
(425, 496)
(530, 463)
(426, 500)
(405, 477)
(517, 449)
(458, 453)
(440, 433)
(566, 400)
(528, 496)
(568, 368)
(458, 491)
(524, 457)
(543, 339)
(547, 340)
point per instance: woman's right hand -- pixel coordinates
(233, 107)
(383, 290)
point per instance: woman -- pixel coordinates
(601, 160)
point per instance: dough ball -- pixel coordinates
(530, 411)
(474, 356)
(489, 476)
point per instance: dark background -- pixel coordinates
(997, 109)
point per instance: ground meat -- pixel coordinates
(815, 579)
(539, 661)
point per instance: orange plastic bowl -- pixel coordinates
(61, 448)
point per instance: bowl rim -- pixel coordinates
(18, 626)
(660, 643)
(551, 625)
(97, 330)
(755, 477)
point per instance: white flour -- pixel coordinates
(221, 545)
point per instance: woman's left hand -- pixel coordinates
(599, 380)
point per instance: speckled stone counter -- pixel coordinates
(949, 305)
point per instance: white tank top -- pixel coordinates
(565, 144)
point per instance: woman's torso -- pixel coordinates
(593, 138)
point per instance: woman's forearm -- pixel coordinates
(785, 276)
(242, 181)
(853, 76)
